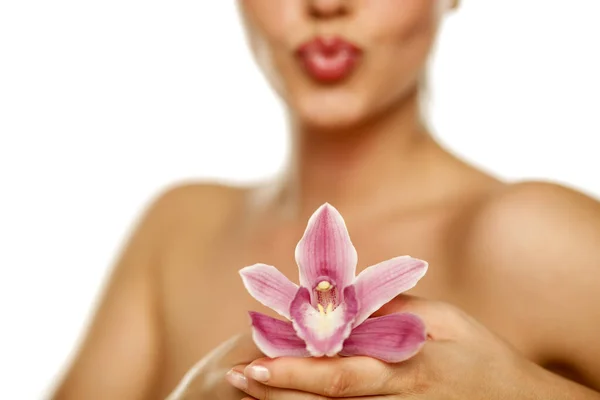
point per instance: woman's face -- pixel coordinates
(338, 62)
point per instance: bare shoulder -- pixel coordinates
(200, 205)
(130, 297)
(206, 198)
(536, 247)
(539, 224)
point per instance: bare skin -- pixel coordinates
(539, 298)
(522, 259)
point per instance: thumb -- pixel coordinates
(206, 379)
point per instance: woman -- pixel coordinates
(509, 299)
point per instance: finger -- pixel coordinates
(328, 377)
(442, 320)
(263, 392)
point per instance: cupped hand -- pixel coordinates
(462, 360)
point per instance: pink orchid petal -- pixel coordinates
(325, 251)
(392, 338)
(276, 338)
(380, 283)
(324, 333)
(270, 287)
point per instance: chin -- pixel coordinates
(331, 112)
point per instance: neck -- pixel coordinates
(372, 164)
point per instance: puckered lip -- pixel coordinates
(328, 59)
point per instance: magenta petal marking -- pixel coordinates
(380, 283)
(270, 287)
(276, 338)
(392, 338)
(351, 301)
(325, 251)
(323, 332)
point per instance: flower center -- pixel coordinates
(327, 320)
(323, 310)
(326, 297)
(327, 315)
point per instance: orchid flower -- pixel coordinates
(329, 311)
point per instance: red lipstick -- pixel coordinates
(328, 60)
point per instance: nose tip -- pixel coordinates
(328, 8)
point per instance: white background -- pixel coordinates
(104, 103)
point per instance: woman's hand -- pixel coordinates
(463, 360)
(206, 379)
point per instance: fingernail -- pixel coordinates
(258, 373)
(237, 379)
